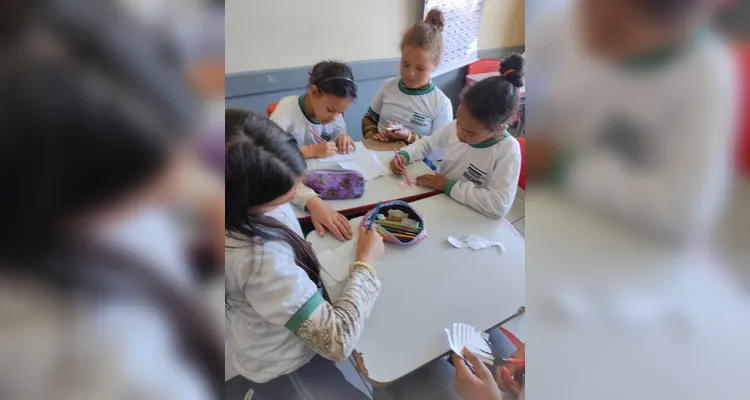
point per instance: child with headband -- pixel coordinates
(316, 118)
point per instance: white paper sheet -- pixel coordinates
(368, 164)
(336, 158)
(335, 265)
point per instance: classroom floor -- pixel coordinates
(516, 216)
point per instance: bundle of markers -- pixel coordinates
(399, 225)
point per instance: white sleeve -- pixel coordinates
(444, 114)
(304, 194)
(339, 127)
(426, 145)
(376, 106)
(273, 285)
(496, 199)
(680, 198)
(285, 121)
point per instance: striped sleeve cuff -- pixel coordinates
(374, 114)
(304, 312)
(449, 187)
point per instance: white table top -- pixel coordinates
(604, 294)
(430, 285)
(384, 188)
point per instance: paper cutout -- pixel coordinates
(464, 335)
(474, 242)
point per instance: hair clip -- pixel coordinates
(508, 72)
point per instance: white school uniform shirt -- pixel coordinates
(483, 176)
(650, 144)
(265, 292)
(420, 111)
(290, 116)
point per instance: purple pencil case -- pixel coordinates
(336, 184)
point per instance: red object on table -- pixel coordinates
(522, 175)
(743, 154)
(271, 108)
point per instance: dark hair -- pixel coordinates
(427, 34)
(91, 106)
(262, 164)
(493, 101)
(335, 78)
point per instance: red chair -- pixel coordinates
(482, 66)
(271, 108)
(522, 176)
(743, 155)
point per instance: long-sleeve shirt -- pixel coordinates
(290, 116)
(421, 111)
(277, 317)
(483, 176)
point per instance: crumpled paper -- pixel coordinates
(474, 242)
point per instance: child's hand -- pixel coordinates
(401, 134)
(506, 376)
(481, 386)
(435, 181)
(322, 150)
(344, 142)
(398, 165)
(370, 245)
(324, 217)
(381, 136)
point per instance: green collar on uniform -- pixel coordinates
(302, 107)
(423, 90)
(665, 55)
(490, 142)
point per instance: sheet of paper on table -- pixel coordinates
(368, 164)
(335, 263)
(359, 148)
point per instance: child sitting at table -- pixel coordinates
(280, 328)
(482, 161)
(316, 118)
(412, 100)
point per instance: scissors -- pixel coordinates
(500, 361)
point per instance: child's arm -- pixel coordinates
(283, 294)
(372, 116)
(437, 141)
(304, 194)
(496, 199)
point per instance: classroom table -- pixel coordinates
(430, 285)
(383, 188)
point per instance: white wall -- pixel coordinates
(262, 35)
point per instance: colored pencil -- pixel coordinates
(374, 216)
(317, 136)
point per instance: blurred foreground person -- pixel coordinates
(94, 114)
(633, 112)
